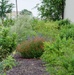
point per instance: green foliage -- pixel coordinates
(8, 22)
(7, 42)
(32, 48)
(5, 7)
(45, 29)
(26, 12)
(67, 31)
(59, 56)
(64, 22)
(59, 52)
(7, 64)
(52, 9)
(34, 22)
(23, 28)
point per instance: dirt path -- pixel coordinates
(28, 67)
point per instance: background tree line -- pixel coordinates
(49, 9)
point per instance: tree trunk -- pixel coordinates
(63, 14)
(63, 9)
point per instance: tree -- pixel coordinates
(5, 7)
(52, 9)
(25, 12)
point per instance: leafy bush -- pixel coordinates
(26, 27)
(59, 57)
(64, 22)
(31, 48)
(8, 22)
(7, 42)
(67, 31)
(23, 28)
(46, 29)
(7, 64)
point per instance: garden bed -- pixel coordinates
(28, 67)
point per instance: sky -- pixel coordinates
(27, 4)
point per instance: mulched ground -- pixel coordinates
(28, 67)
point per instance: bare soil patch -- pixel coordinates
(28, 67)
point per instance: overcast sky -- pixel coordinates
(27, 4)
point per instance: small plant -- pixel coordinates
(7, 64)
(32, 48)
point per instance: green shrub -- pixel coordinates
(59, 57)
(8, 22)
(67, 32)
(7, 42)
(64, 22)
(7, 64)
(31, 48)
(46, 29)
(61, 23)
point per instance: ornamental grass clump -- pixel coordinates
(23, 28)
(32, 48)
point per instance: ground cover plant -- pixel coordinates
(7, 64)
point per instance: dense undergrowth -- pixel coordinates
(52, 41)
(59, 55)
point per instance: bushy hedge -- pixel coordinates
(64, 22)
(47, 29)
(59, 54)
(59, 57)
(67, 32)
(7, 42)
(32, 48)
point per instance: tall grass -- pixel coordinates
(23, 28)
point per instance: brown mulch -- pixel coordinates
(28, 67)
